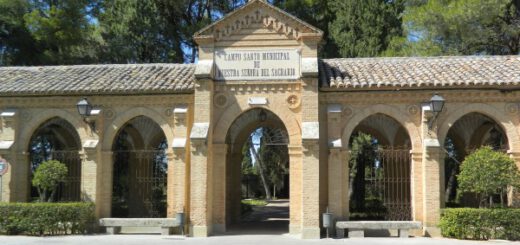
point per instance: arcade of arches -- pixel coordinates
(167, 138)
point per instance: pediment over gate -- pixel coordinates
(258, 13)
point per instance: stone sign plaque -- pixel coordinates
(244, 65)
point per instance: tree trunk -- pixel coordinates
(261, 171)
(351, 180)
(450, 188)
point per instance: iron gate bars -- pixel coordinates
(140, 182)
(389, 181)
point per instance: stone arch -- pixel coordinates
(231, 114)
(236, 135)
(112, 129)
(492, 112)
(46, 115)
(394, 113)
(139, 169)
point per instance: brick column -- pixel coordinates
(417, 189)
(432, 176)
(199, 196)
(338, 168)
(338, 183)
(105, 177)
(89, 172)
(311, 190)
(16, 182)
(171, 195)
(178, 166)
(201, 165)
(219, 187)
(295, 189)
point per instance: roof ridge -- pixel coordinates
(445, 57)
(249, 3)
(92, 66)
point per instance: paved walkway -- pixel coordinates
(272, 219)
(227, 240)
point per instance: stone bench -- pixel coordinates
(357, 228)
(114, 225)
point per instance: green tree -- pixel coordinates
(47, 32)
(134, 31)
(47, 177)
(365, 28)
(268, 160)
(16, 43)
(487, 173)
(63, 31)
(459, 27)
(316, 13)
(362, 156)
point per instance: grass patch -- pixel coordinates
(248, 204)
(254, 202)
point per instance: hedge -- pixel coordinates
(46, 218)
(481, 224)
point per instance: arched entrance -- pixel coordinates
(380, 171)
(140, 170)
(257, 166)
(467, 134)
(57, 139)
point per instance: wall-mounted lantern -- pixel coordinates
(436, 106)
(85, 109)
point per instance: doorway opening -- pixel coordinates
(468, 134)
(380, 171)
(258, 174)
(140, 170)
(57, 139)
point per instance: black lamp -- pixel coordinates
(436, 106)
(85, 110)
(437, 103)
(84, 107)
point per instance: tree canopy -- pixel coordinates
(47, 177)
(487, 172)
(56, 32)
(459, 27)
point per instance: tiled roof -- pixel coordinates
(97, 79)
(379, 73)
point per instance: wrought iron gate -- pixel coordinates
(70, 189)
(140, 182)
(389, 181)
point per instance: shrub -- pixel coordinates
(481, 224)
(487, 172)
(47, 177)
(46, 218)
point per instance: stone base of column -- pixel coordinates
(432, 231)
(295, 229)
(199, 231)
(311, 233)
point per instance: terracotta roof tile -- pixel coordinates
(373, 73)
(98, 79)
